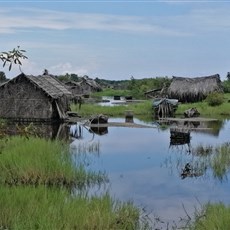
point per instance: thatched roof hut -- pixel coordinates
(74, 87)
(89, 86)
(194, 89)
(35, 98)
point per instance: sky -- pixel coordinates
(117, 40)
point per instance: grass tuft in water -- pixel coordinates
(37, 161)
(212, 216)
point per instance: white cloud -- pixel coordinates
(17, 19)
(63, 68)
(206, 19)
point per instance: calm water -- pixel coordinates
(145, 168)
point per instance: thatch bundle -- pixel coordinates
(194, 89)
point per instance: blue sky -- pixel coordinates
(115, 40)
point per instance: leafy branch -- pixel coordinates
(13, 57)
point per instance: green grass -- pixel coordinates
(143, 110)
(34, 190)
(205, 109)
(42, 208)
(216, 215)
(213, 216)
(139, 109)
(39, 161)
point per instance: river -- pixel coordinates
(145, 167)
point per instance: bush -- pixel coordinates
(214, 99)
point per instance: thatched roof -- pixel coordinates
(48, 83)
(93, 84)
(194, 89)
(72, 83)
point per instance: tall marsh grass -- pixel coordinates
(29, 166)
(53, 209)
(212, 216)
(38, 161)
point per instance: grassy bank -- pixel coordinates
(139, 109)
(144, 109)
(36, 175)
(207, 110)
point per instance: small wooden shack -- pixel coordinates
(34, 98)
(194, 89)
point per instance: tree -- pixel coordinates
(74, 77)
(228, 76)
(13, 57)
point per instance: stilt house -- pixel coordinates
(34, 98)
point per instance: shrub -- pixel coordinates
(214, 99)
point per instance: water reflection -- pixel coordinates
(45, 130)
(143, 166)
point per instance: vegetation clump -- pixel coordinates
(215, 99)
(212, 216)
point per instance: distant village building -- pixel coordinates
(83, 88)
(39, 98)
(74, 87)
(89, 86)
(194, 89)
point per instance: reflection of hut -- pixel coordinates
(179, 136)
(98, 119)
(31, 98)
(99, 130)
(38, 129)
(194, 89)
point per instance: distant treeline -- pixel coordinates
(136, 86)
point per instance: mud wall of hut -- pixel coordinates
(22, 99)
